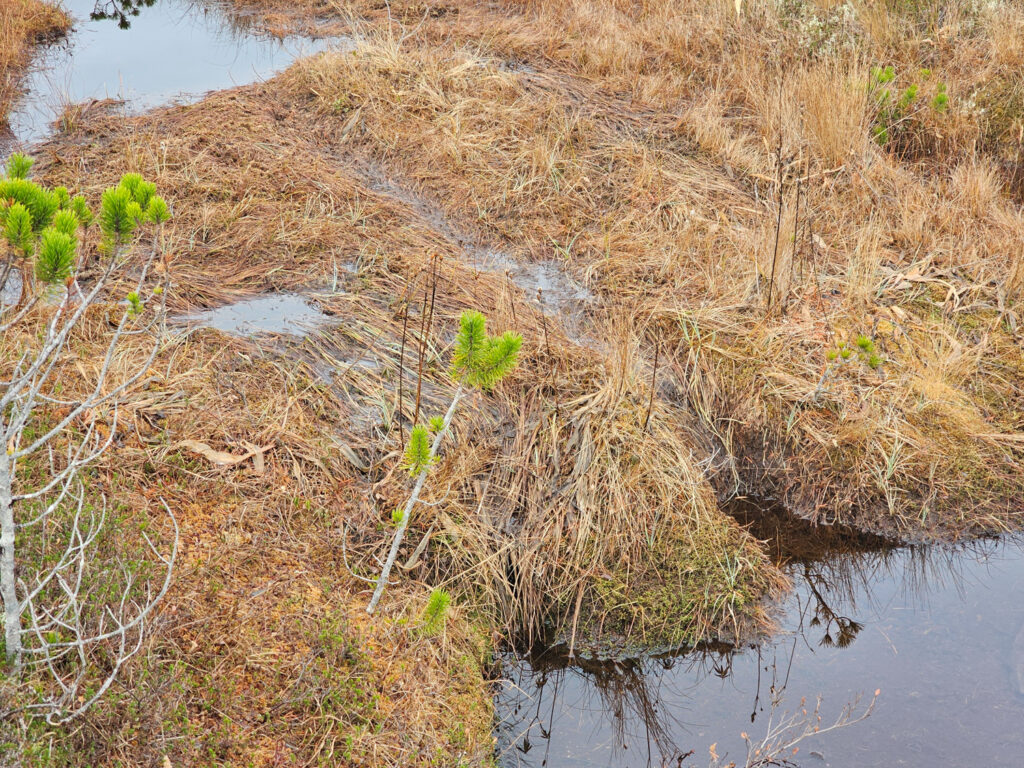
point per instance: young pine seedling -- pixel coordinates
(436, 612)
(480, 361)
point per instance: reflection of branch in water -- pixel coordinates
(119, 10)
(831, 591)
(846, 628)
(627, 694)
(842, 582)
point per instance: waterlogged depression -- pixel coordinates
(937, 629)
(175, 49)
(278, 313)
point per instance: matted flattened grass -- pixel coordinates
(567, 501)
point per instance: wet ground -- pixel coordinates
(286, 313)
(937, 629)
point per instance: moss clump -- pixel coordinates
(688, 590)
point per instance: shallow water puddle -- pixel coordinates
(938, 630)
(176, 49)
(282, 313)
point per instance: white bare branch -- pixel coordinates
(72, 611)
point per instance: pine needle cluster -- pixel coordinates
(481, 360)
(417, 450)
(435, 614)
(42, 226)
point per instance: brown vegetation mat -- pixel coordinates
(642, 150)
(263, 654)
(715, 173)
(681, 222)
(567, 501)
(23, 25)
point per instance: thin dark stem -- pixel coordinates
(778, 221)
(654, 383)
(401, 374)
(433, 290)
(422, 349)
(511, 300)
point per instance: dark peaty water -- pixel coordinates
(937, 629)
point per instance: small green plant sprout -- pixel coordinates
(479, 361)
(865, 344)
(436, 424)
(418, 456)
(18, 166)
(397, 515)
(896, 110)
(73, 613)
(863, 348)
(134, 303)
(435, 614)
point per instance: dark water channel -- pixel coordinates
(937, 629)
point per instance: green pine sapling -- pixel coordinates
(480, 361)
(66, 618)
(435, 613)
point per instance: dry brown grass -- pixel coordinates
(23, 25)
(638, 146)
(658, 228)
(262, 652)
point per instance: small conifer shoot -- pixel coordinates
(68, 627)
(480, 361)
(436, 612)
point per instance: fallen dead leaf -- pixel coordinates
(223, 458)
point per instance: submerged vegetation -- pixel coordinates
(795, 233)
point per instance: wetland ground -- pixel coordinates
(761, 248)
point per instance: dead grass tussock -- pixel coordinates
(541, 172)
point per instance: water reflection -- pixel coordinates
(119, 10)
(174, 50)
(935, 628)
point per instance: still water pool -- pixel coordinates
(937, 629)
(172, 50)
